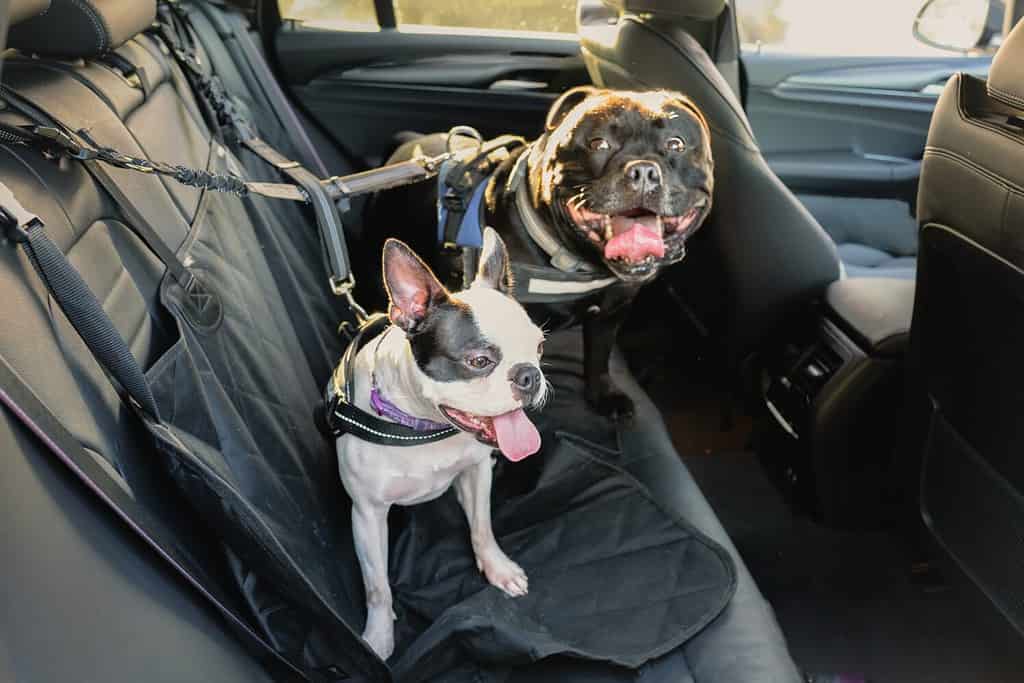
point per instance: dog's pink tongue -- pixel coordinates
(517, 437)
(635, 243)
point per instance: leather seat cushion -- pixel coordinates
(861, 260)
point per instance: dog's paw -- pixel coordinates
(612, 403)
(380, 632)
(503, 573)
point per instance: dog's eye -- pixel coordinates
(675, 144)
(599, 144)
(480, 362)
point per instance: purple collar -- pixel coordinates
(385, 408)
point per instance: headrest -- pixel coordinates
(690, 9)
(1006, 75)
(20, 10)
(82, 28)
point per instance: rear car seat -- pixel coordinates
(67, 558)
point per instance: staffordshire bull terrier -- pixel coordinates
(618, 182)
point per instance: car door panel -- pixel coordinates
(848, 127)
(365, 86)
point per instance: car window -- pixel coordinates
(451, 16)
(869, 28)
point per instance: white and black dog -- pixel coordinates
(469, 359)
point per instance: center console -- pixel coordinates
(833, 399)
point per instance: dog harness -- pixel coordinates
(460, 221)
(342, 416)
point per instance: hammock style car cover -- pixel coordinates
(613, 577)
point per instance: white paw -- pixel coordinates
(380, 633)
(503, 573)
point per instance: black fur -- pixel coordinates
(448, 337)
(636, 127)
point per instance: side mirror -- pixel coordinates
(960, 25)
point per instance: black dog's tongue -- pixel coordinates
(518, 438)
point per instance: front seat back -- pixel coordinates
(967, 336)
(772, 256)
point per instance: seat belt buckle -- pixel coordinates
(17, 220)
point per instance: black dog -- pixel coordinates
(604, 199)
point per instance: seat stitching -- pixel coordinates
(97, 22)
(971, 121)
(1005, 96)
(983, 172)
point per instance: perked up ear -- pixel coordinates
(564, 104)
(413, 290)
(494, 270)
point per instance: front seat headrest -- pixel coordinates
(1006, 76)
(74, 29)
(705, 10)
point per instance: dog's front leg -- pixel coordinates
(370, 533)
(600, 329)
(473, 489)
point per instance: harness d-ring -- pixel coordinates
(465, 131)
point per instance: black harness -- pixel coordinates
(341, 416)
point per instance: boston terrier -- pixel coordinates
(470, 360)
(605, 199)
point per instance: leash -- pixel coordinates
(341, 416)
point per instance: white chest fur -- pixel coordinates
(397, 475)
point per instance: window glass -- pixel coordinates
(833, 27)
(336, 14)
(545, 16)
(550, 16)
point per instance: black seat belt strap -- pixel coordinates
(78, 302)
(110, 350)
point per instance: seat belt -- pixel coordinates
(105, 343)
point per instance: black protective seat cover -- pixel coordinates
(241, 400)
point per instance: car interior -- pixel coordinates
(825, 390)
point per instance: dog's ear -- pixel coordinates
(494, 270)
(413, 290)
(564, 104)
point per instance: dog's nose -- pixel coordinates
(526, 378)
(643, 174)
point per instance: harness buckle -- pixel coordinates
(65, 142)
(454, 202)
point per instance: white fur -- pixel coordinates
(377, 477)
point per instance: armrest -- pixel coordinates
(875, 312)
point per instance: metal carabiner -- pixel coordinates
(344, 287)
